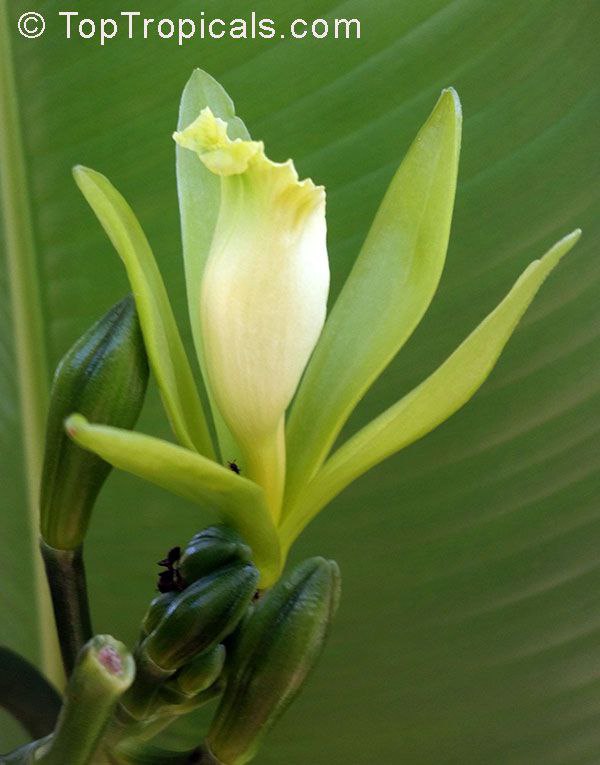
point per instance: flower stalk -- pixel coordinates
(65, 571)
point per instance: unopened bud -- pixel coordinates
(104, 377)
(201, 616)
(202, 672)
(278, 646)
(212, 548)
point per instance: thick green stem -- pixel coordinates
(103, 672)
(66, 576)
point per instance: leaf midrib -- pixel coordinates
(28, 329)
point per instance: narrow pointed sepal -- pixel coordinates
(432, 402)
(240, 502)
(163, 342)
(387, 293)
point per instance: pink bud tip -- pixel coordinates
(110, 660)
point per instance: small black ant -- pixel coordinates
(234, 467)
(170, 580)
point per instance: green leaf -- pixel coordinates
(432, 402)
(23, 356)
(385, 296)
(468, 628)
(240, 502)
(163, 343)
(27, 695)
(199, 200)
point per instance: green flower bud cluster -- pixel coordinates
(180, 656)
(210, 636)
(207, 634)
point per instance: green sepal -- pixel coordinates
(104, 376)
(386, 294)
(279, 645)
(212, 548)
(240, 502)
(430, 403)
(201, 616)
(166, 352)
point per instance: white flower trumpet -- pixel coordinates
(264, 292)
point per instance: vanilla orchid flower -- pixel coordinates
(254, 241)
(264, 292)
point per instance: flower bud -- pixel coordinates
(201, 616)
(279, 645)
(194, 685)
(210, 549)
(103, 376)
(202, 672)
(156, 610)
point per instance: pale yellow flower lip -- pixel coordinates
(207, 136)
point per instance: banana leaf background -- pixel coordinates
(469, 630)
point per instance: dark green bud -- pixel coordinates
(104, 377)
(212, 548)
(278, 647)
(194, 685)
(202, 672)
(156, 610)
(201, 616)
